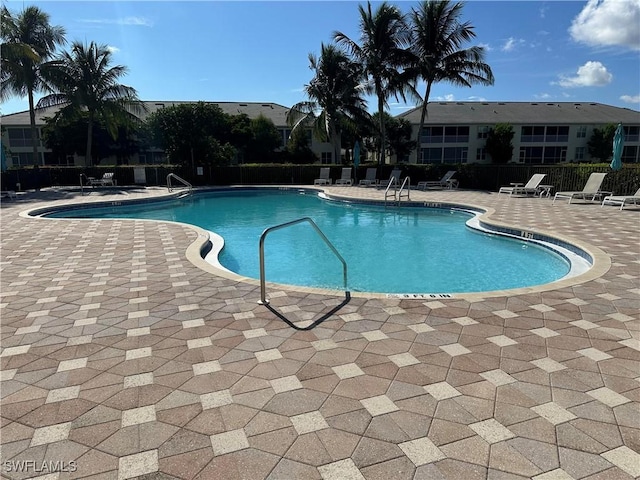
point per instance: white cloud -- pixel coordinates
(542, 96)
(450, 97)
(135, 21)
(476, 99)
(608, 23)
(511, 44)
(113, 49)
(591, 74)
(635, 99)
(486, 46)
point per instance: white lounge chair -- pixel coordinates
(325, 177)
(394, 179)
(447, 181)
(11, 194)
(370, 179)
(345, 177)
(622, 200)
(107, 179)
(590, 191)
(531, 187)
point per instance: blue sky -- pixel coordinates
(258, 51)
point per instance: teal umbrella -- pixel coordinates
(356, 157)
(3, 159)
(618, 145)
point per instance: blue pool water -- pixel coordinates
(390, 250)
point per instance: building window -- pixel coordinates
(430, 155)
(631, 134)
(579, 154)
(432, 135)
(326, 157)
(21, 137)
(531, 154)
(630, 154)
(582, 132)
(555, 154)
(455, 154)
(532, 134)
(557, 134)
(456, 134)
(481, 154)
(483, 132)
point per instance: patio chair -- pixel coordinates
(394, 179)
(325, 178)
(345, 177)
(370, 179)
(447, 181)
(10, 194)
(590, 191)
(531, 187)
(622, 200)
(107, 179)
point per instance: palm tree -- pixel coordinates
(335, 97)
(86, 81)
(28, 41)
(437, 37)
(381, 52)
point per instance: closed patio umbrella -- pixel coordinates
(618, 145)
(356, 158)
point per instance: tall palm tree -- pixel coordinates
(437, 38)
(384, 34)
(335, 97)
(86, 81)
(28, 42)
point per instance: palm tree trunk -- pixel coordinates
(34, 131)
(422, 117)
(87, 157)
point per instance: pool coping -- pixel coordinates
(205, 243)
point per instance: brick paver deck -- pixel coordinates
(121, 358)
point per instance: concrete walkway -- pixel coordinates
(121, 358)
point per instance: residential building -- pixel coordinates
(454, 132)
(544, 132)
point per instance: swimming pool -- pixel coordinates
(387, 249)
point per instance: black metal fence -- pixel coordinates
(471, 176)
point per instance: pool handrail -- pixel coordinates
(180, 179)
(263, 295)
(397, 192)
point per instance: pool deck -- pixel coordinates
(121, 358)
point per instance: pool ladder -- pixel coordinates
(398, 193)
(186, 184)
(263, 295)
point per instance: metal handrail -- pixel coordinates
(407, 182)
(180, 179)
(263, 295)
(392, 181)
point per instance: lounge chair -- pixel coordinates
(394, 179)
(345, 178)
(622, 200)
(107, 179)
(590, 191)
(531, 187)
(11, 194)
(325, 178)
(370, 179)
(447, 181)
